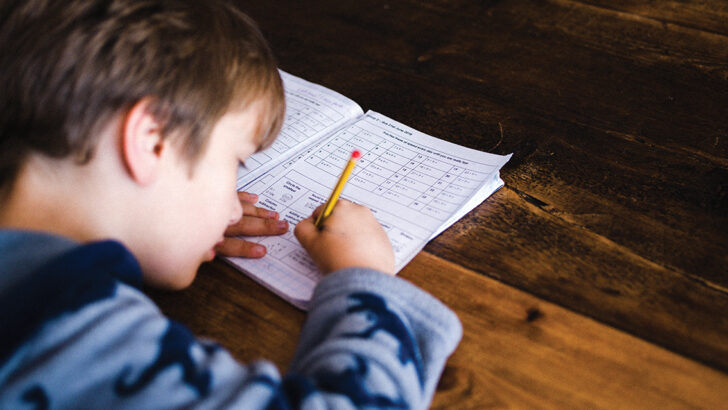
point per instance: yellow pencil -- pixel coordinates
(337, 189)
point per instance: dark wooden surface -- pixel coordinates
(615, 207)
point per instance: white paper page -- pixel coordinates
(416, 186)
(312, 111)
(483, 193)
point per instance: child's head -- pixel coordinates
(71, 68)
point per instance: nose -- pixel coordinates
(237, 210)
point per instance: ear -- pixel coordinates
(142, 143)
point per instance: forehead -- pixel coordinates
(245, 117)
(267, 98)
(266, 114)
(241, 125)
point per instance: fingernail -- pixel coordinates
(273, 214)
(258, 250)
(282, 224)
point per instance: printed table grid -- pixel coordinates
(300, 123)
(395, 172)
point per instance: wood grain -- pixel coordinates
(519, 351)
(706, 16)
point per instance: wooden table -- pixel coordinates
(598, 277)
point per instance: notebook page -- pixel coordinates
(312, 111)
(483, 193)
(415, 184)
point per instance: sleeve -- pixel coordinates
(370, 340)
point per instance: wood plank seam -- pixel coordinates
(543, 206)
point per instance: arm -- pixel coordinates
(369, 337)
(373, 339)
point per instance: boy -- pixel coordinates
(122, 123)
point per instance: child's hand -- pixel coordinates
(350, 237)
(255, 221)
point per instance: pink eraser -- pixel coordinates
(356, 154)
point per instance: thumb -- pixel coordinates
(305, 230)
(318, 211)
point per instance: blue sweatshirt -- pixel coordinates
(78, 332)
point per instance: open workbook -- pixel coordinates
(415, 184)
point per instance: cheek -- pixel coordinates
(221, 203)
(215, 198)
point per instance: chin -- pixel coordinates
(186, 280)
(177, 280)
(179, 285)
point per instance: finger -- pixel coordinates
(252, 210)
(241, 248)
(317, 211)
(341, 204)
(247, 197)
(306, 231)
(250, 226)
